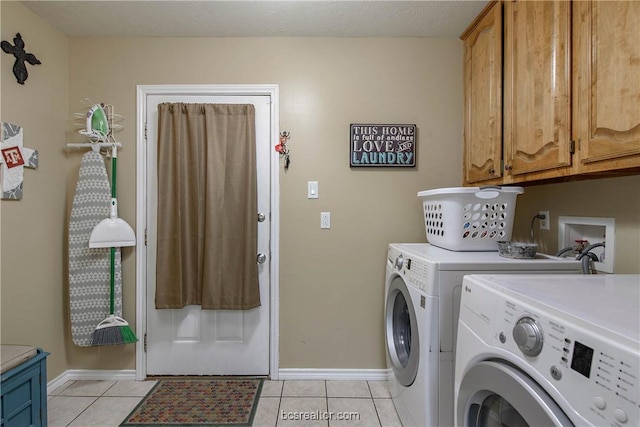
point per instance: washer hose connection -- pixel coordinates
(586, 256)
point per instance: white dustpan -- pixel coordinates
(112, 232)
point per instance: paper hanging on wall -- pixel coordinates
(14, 159)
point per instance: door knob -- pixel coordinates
(261, 217)
(261, 258)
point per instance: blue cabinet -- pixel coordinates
(24, 393)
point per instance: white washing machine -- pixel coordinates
(422, 292)
(549, 351)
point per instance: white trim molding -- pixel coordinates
(283, 374)
(91, 375)
(333, 374)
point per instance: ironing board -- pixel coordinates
(89, 267)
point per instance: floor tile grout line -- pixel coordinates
(279, 405)
(280, 394)
(375, 408)
(62, 388)
(326, 399)
(109, 388)
(84, 410)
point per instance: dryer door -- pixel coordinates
(498, 394)
(403, 346)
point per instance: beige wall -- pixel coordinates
(331, 281)
(34, 228)
(617, 198)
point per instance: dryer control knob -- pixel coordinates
(399, 262)
(528, 335)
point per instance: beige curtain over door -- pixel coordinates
(207, 207)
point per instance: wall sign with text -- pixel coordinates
(383, 145)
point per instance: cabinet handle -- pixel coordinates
(508, 167)
(492, 171)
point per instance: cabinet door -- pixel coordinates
(607, 108)
(483, 96)
(537, 133)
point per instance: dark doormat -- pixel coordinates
(198, 402)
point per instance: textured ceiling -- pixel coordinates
(262, 18)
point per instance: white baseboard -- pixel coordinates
(91, 375)
(332, 374)
(283, 374)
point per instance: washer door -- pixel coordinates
(498, 394)
(403, 344)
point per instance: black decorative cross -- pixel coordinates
(19, 68)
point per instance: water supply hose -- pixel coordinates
(564, 251)
(586, 257)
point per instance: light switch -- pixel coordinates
(312, 190)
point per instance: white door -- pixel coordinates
(192, 341)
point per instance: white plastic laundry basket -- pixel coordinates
(469, 218)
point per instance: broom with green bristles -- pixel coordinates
(112, 232)
(114, 329)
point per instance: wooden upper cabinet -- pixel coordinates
(561, 99)
(607, 84)
(537, 88)
(483, 96)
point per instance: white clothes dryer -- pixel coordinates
(548, 351)
(422, 293)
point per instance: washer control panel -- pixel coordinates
(415, 271)
(527, 334)
(596, 372)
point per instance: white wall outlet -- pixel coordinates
(545, 224)
(312, 190)
(325, 219)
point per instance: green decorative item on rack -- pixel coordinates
(97, 121)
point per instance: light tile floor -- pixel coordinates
(282, 403)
